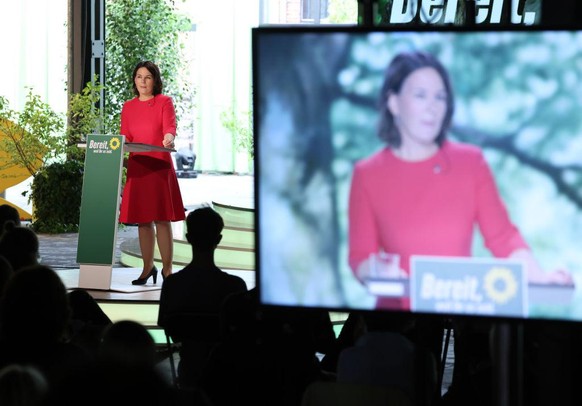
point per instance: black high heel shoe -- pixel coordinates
(142, 281)
(164, 276)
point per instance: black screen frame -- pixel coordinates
(258, 84)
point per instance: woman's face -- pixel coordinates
(420, 107)
(144, 82)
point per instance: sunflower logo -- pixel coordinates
(500, 285)
(114, 143)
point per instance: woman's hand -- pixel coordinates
(381, 265)
(168, 141)
(535, 274)
(557, 277)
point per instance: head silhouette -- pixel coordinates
(19, 245)
(6, 273)
(203, 229)
(8, 213)
(129, 344)
(22, 385)
(34, 306)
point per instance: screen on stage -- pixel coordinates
(433, 170)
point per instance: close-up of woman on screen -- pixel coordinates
(423, 193)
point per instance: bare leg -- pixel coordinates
(166, 245)
(147, 240)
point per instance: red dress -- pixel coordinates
(151, 191)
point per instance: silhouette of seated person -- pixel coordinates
(6, 273)
(22, 385)
(552, 355)
(267, 355)
(310, 330)
(380, 358)
(390, 349)
(8, 213)
(352, 329)
(34, 320)
(124, 372)
(472, 370)
(20, 246)
(200, 287)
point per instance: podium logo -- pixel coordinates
(106, 146)
(500, 285)
(114, 143)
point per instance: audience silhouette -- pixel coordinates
(353, 327)
(201, 287)
(263, 355)
(19, 245)
(8, 213)
(124, 372)
(22, 385)
(386, 350)
(472, 370)
(551, 354)
(34, 320)
(64, 345)
(267, 355)
(6, 272)
(390, 360)
(127, 343)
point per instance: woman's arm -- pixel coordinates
(362, 233)
(502, 237)
(169, 123)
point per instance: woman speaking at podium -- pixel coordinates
(422, 193)
(151, 196)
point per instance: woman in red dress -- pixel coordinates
(151, 196)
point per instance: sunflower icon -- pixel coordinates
(114, 143)
(500, 285)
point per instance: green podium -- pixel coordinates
(100, 200)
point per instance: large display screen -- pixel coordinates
(432, 170)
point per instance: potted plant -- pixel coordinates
(37, 138)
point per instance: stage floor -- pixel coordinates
(59, 251)
(123, 291)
